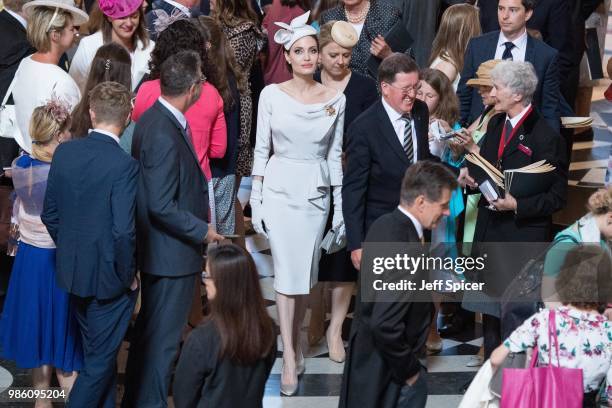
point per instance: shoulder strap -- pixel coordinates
(552, 335)
(9, 91)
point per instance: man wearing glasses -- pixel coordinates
(381, 144)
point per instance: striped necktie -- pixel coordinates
(407, 144)
(507, 55)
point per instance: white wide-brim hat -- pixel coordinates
(79, 17)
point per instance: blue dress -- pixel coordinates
(38, 326)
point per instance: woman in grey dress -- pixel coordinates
(291, 192)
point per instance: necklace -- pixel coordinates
(359, 17)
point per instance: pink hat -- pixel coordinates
(119, 8)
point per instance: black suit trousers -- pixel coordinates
(103, 324)
(165, 306)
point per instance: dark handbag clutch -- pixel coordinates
(513, 360)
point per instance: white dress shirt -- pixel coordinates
(177, 113)
(17, 17)
(519, 49)
(107, 133)
(515, 120)
(398, 124)
(180, 7)
(415, 222)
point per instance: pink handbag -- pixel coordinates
(543, 387)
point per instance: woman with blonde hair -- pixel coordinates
(336, 42)
(460, 23)
(39, 330)
(52, 29)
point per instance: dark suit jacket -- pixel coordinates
(89, 213)
(172, 199)
(376, 163)
(533, 219)
(13, 48)
(544, 60)
(384, 335)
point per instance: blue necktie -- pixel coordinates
(507, 55)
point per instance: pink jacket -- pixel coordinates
(205, 118)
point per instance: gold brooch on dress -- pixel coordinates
(330, 110)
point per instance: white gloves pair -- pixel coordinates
(257, 211)
(256, 207)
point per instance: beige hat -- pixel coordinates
(344, 34)
(79, 17)
(483, 74)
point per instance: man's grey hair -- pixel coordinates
(180, 72)
(520, 77)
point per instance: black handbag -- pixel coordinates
(523, 296)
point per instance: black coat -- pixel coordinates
(384, 335)
(13, 48)
(376, 163)
(532, 221)
(381, 18)
(89, 213)
(172, 199)
(544, 60)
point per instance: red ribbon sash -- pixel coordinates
(502, 145)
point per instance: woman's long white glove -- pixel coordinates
(337, 218)
(256, 207)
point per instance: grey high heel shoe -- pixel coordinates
(300, 364)
(288, 390)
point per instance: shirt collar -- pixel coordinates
(392, 113)
(175, 112)
(107, 133)
(179, 6)
(515, 120)
(520, 42)
(17, 17)
(415, 222)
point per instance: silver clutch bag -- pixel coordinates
(334, 240)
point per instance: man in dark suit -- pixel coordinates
(382, 369)
(172, 209)
(512, 42)
(89, 213)
(515, 138)
(13, 48)
(382, 143)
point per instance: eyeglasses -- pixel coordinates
(406, 89)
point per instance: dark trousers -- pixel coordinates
(166, 302)
(415, 395)
(103, 324)
(491, 332)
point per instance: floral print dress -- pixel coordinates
(585, 341)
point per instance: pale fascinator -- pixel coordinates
(290, 33)
(163, 20)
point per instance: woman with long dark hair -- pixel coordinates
(240, 25)
(222, 71)
(111, 63)
(226, 361)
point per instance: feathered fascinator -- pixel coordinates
(162, 20)
(290, 33)
(58, 109)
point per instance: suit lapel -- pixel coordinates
(529, 51)
(523, 134)
(186, 138)
(389, 134)
(492, 47)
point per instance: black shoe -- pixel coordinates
(454, 324)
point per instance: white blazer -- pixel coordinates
(79, 68)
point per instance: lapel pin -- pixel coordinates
(330, 110)
(521, 137)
